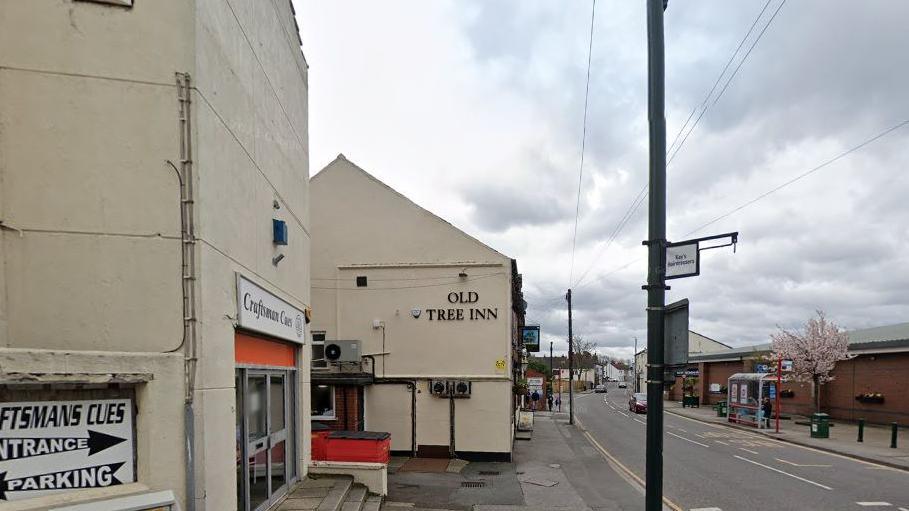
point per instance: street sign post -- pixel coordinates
(658, 249)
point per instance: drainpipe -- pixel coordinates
(188, 343)
(451, 426)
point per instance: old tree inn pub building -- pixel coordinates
(414, 322)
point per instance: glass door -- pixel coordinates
(265, 422)
(277, 433)
(257, 440)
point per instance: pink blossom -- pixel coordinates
(814, 352)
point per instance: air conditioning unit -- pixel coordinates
(460, 388)
(450, 388)
(439, 388)
(342, 351)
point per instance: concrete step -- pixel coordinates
(322, 493)
(373, 503)
(334, 500)
(355, 498)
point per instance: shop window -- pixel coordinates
(361, 281)
(323, 402)
(318, 351)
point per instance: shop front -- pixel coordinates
(267, 379)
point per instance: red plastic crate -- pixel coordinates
(365, 446)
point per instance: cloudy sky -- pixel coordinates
(474, 108)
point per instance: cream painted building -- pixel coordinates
(428, 304)
(122, 304)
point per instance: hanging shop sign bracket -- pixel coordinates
(683, 258)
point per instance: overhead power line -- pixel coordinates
(705, 105)
(577, 208)
(795, 179)
(702, 108)
(803, 175)
(731, 76)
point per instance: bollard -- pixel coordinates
(893, 427)
(861, 431)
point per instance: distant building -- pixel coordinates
(879, 365)
(698, 344)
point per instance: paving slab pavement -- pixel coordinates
(557, 470)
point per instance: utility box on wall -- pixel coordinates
(280, 231)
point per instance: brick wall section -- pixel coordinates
(347, 410)
(880, 373)
(886, 373)
(716, 372)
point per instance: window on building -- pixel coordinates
(361, 281)
(323, 402)
(123, 3)
(318, 351)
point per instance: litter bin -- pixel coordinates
(369, 446)
(319, 437)
(820, 425)
(720, 409)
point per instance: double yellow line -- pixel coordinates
(612, 459)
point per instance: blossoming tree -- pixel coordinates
(814, 351)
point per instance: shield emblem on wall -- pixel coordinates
(415, 313)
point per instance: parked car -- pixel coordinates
(600, 389)
(623, 385)
(638, 403)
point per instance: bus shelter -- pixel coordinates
(746, 392)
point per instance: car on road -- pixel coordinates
(600, 389)
(638, 403)
(623, 385)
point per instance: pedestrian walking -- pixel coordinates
(549, 401)
(767, 410)
(559, 403)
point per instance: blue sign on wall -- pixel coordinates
(772, 394)
(762, 368)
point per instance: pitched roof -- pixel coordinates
(341, 159)
(867, 339)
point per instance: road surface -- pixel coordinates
(712, 467)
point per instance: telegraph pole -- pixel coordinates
(570, 364)
(637, 388)
(656, 282)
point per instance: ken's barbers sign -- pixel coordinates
(461, 313)
(259, 310)
(49, 447)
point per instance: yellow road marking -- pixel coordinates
(672, 505)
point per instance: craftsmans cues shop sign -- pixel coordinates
(51, 447)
